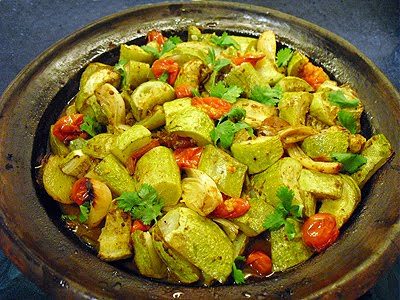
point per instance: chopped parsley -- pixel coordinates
(145, 204)
(217, 64)
(347, 120)
(229, 94)
(351, 162)
(91, 126)
(266, 95)
(169, 45)
(285, 213)
(338, 98)
(225, 41)
(224, 133)
(283, 57)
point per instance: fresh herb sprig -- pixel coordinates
(237, 274)
(229, 94)
(225, 41)
(216, 64)
(285, 213)
(283, 57)
(266, 95)
(338, 98)
(351, 162)
(91, 126)
(347, 120)
(169, 45)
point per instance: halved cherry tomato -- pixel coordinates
(188, 157)
(320, 231)
(157, 36)
(82, 191)
(174, 141)
(232, 208)
(131, 162)
(167, 65)
(138, 225)
(184, 90)
(252, 58)
(314, 75)
(67, 128)
(260, 262)
(214, 107)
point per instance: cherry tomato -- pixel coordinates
(131, 162)
(167, 65)
(157, 36)
(82, 191)
(184, 90)
(314, 75)
(67, 128)
(138, 225)
(320, 231)
(214, 107)
(232, 208)
(260, 262)
(252, 58)
(188, 157)
(174, 141)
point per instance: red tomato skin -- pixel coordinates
(320, 231)
(314, 75)
(131, 162)
(81, 191)
(138, 225)
(231, 208)
(188, 157)
(184, 90)
(67, 128)
(155, 35)
(214, 107)
(168, 65)
(260, 262)
(248, 57)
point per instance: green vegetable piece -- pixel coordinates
(294, 84)
(256, 112)
(114, 240)
(246, 44)
(347, 120)
(251, 223)
(112, 104)
(377, 151)
(343, 207)
(231, 229)
(94, 76)
(76, 164)
(287, 253)
(164, 176)
(351, 162)
(184, 271)
(229, 94)
(283, 57)
(266, 43)
(216, 64)
(285, 171)
(136, 74)
(135, 53)
(338, 98)
(146, 258)
(226, 171)
(148, 95)
(296, 63)
(322, 109)
(191, 74)
(114, 175)
(258, 154)
(100, 145)
(268, 71)
(190, 122)
(92, 108)
(266, 95)
(194, 33)
(320, 184)
(56, 146)
(245, 77)
(77, 144)
(168, 46)
(130, 141)
(321, 146)
(294, 106)
(199, 240)
(155, 120)
(56, 183)
(185, 52)
(239, 244)
(173, 107)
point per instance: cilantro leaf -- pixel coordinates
(120, 68)
(347, 120)
(290, 230)
(145, 204)
(163, 77)
(210, 59)
(175, 39)
(229, 94)
(297, 211)
(196, 93)
(266, 95)
(225, 41)
(351, 162)
(283, 57)
(223, 134)
(338, 98)
(167, 46)
(216, 64)
(237, 275)
(274, 221)
(286, 196)
(152, 50)
(68, 217)
(236, 114)
(91, 126)
(240, 258)
(84, 212)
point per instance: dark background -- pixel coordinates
(29, 27)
